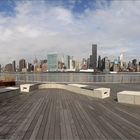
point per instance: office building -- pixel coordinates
(93, 57)
(106, 64)
(22, 64)
(14, 66)
(30, 67)
(121, 59)
(44, 66)
(84, 65)
(8, 68)
(57, 62)
(99, 63)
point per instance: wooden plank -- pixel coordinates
(11, 120)
(122, 126)
(48, 122)
(114, 129)
(67, 124)
(34, 121)
(91, 127)
(71, 130)
(44, 121)
(21, 115)
(76, 121)
(96, 123)
(19, 134)
(65, 110)
(52, 124)
(12, 107)
(57, 117)
(74, 117)
(36, 129)
(62, 123)
(121, 118)
(73, 127)
(120, 123)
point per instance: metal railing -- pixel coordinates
(74, 77)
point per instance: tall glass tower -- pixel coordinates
(94, 56)
(57, 62)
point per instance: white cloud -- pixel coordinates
(38, 29)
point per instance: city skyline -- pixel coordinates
(35, 28)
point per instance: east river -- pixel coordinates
(67, 77)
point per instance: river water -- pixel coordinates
(75, 77)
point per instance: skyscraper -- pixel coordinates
(99, 63)
(93, 57)
(22, 64)
(14, 66)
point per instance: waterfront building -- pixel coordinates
(58, 62)
(115, 67)
(134, 62)
(8, 68)
(30, 67)
(138, 68)
(99, 63)
(88, 63)
(105, 64)
(93, 57)
(77, 65)
(121, 59)
(53, 62)
(37, 67)
(44, 67)
(65, 59)
(84, 65)
(24, 70)
(22, 64)
(14, 66)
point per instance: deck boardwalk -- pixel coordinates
(60, 114)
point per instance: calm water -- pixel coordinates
(76, 77)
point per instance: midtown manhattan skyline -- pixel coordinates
(30, 28)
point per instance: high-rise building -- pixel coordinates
(84, 65)
(44, 66)
(52, 62)
(99, 63)
(93, 57)
(14, 66)
(22, 64)
(94, 54)
(57, 62)
(8, 68)
(71, 63)
(121, 59)
(106, 64)
(30, 67)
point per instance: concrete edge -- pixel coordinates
(128, 98)
(71, 88)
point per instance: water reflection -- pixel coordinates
(76, 77)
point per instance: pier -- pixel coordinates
(61, 114)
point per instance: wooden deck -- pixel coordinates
(60, 114)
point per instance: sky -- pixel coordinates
(34, 28)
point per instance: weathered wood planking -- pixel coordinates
(59, 114)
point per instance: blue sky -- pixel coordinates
(30, 28)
